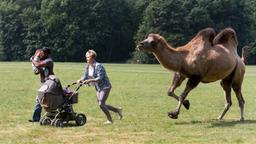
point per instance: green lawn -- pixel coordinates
(141, 91)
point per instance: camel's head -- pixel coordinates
(150, 43)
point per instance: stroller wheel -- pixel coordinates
(52, 122)
(58, 123)
(80, 119)
(45, 121)
(41, 121)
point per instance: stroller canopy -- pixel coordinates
(50, 94)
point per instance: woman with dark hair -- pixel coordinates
(45, 67)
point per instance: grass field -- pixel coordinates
(141, 91)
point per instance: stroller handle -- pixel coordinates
(71, 84)
(80, 84)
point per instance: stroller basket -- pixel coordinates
(71, 97)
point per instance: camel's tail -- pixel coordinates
(226, 36)
(245, 53)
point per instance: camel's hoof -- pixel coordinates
(186, 104)
(219, 117)
(242, 119)
(173, 115)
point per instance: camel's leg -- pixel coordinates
(191, 84)
(239, 96)
(226, 85)
(176, 82)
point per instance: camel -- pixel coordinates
(206, 58)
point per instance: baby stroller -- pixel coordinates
(57, 103)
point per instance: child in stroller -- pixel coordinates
(57, 103)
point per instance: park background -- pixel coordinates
(113, 28)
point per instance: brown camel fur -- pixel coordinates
(206, 58)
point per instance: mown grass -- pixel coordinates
(141, 91)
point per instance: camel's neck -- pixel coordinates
(169, 58)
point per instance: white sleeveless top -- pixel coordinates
(91, 71)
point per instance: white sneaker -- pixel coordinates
(120, 113)
(108, 122)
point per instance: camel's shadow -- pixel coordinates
(224, 123)
(218, 123)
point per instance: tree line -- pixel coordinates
(113, 27)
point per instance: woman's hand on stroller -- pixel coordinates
(78, 81)
(86, 82)
(81, 81)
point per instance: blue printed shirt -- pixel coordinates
(100, 74)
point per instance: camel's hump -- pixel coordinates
(207, 33)
(226, 36)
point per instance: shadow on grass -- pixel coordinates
(223, 123)
(70, 125)
(217, 123)
(66, 125)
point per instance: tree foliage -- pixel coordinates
(68, 27)
(179, 21)
(11, 30)
(114, 27)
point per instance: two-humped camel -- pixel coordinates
(206, 58)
